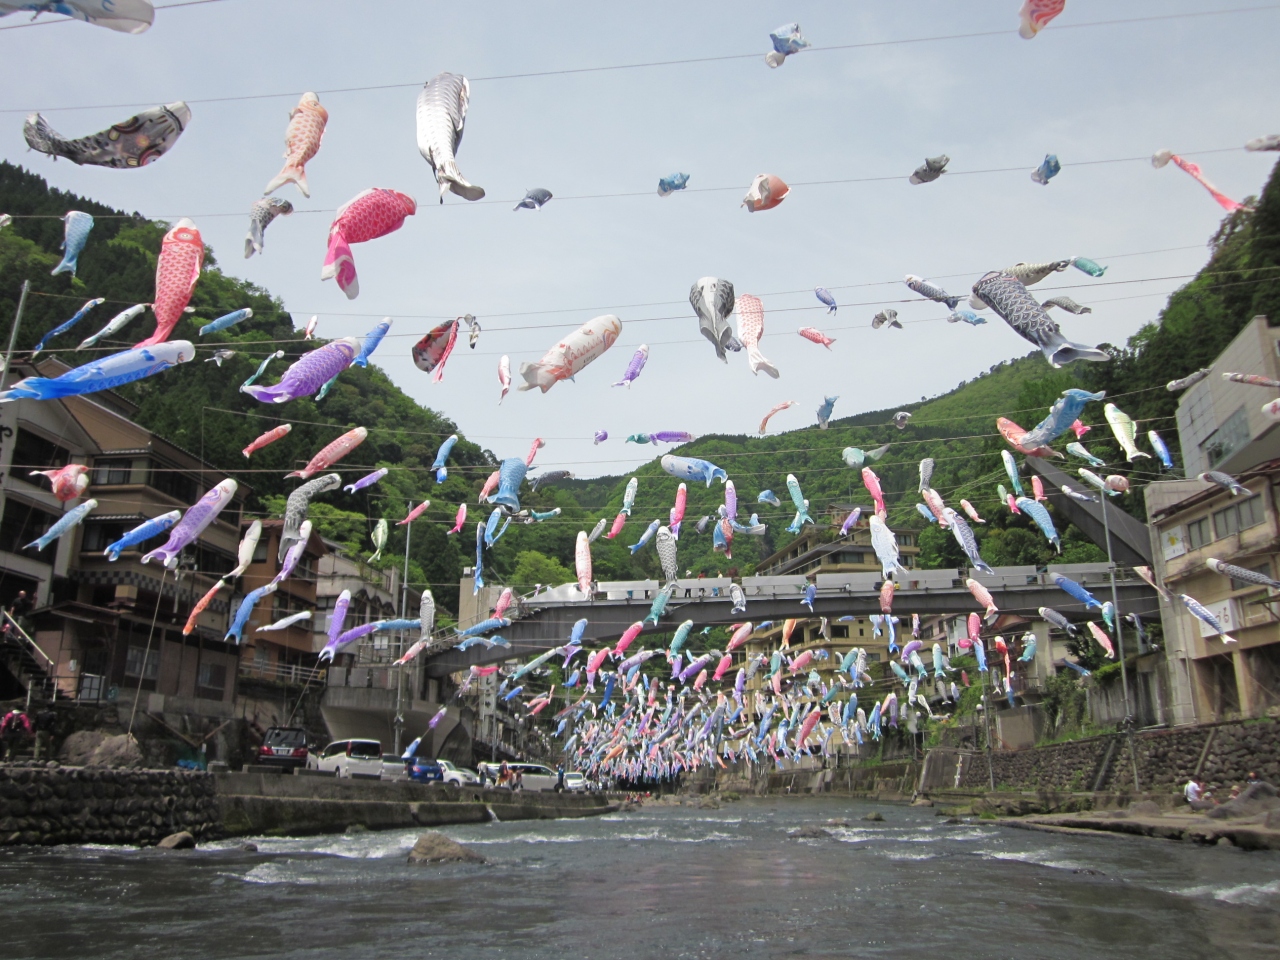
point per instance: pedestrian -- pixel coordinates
(1252, 778)
(15, 728)
(21, 605)
(504, 775)
(46, 720)
(484, 772)
(519, 778)
(559, 778)
(1197, 796)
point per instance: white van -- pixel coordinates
(352, 758)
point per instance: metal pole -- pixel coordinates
(404, 613)
(986, 722)
(1124, 670)
(13, 333)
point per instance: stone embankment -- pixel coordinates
(1221, 754)
(1251, 822)
(50, 804)
(269, 803)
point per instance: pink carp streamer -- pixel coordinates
(1226, 203)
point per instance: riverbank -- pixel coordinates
(1262, 833)
(269, 804)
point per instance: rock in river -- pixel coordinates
(435, 847)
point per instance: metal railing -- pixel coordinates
(282, 672)
(33, 649)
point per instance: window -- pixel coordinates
(1198, 533)
(213, 562)
(839, 633)
(112, 473)
(1228, 438)
(34, 452)
(212, 676)
(22, 523)
(1262, 568)
(1238, 516)
(98, 536)
(873, 657)
(175, 484)
(135, 667)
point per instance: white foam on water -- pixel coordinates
(1252, 894)
(1044, 857)
(529, 838)
(910, 856)
(275, 873)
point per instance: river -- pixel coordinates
(662, 882)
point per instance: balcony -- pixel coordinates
(290, 674)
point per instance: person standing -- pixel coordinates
(15, 728)
(46, 720)
(560, 778)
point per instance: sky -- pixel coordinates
(1102, 93)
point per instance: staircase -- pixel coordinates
(26, 661)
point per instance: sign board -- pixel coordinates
(1224, 610)
(1172, 542)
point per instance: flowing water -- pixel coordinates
(663, 882)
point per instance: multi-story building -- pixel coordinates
(113, 629)
(1221, 426)
(820, 549)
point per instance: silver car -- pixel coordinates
(459, 776)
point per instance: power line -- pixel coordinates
(685, 317)
(641, 193)
(684, 61)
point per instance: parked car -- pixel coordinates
(460, 776)
(283, 747)
(575, 782)
(425, 770)
(352, 758)
(393, 768)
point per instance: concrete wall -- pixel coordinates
(1220, 754)
(263, 803)
(42, 805)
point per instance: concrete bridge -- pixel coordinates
(545, 620)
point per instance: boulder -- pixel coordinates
(1145, 808)
(838, 822)
(874, 815)
(118, 751)
(922, 802)
(435, 847)
(809, 831)
(78, 748)
(249, 847)
(177, 841)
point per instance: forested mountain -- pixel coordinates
(199, 406)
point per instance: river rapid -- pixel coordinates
(662, 882)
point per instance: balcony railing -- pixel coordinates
(291, 673)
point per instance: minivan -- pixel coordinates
(352, 758)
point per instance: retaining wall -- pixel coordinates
(50, 805)
(267, 803)
(1221, 754)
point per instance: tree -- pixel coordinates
(534, 567)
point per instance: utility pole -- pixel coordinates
(404, 614)
(1124, 670)
(986, 723)
(13, 332)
